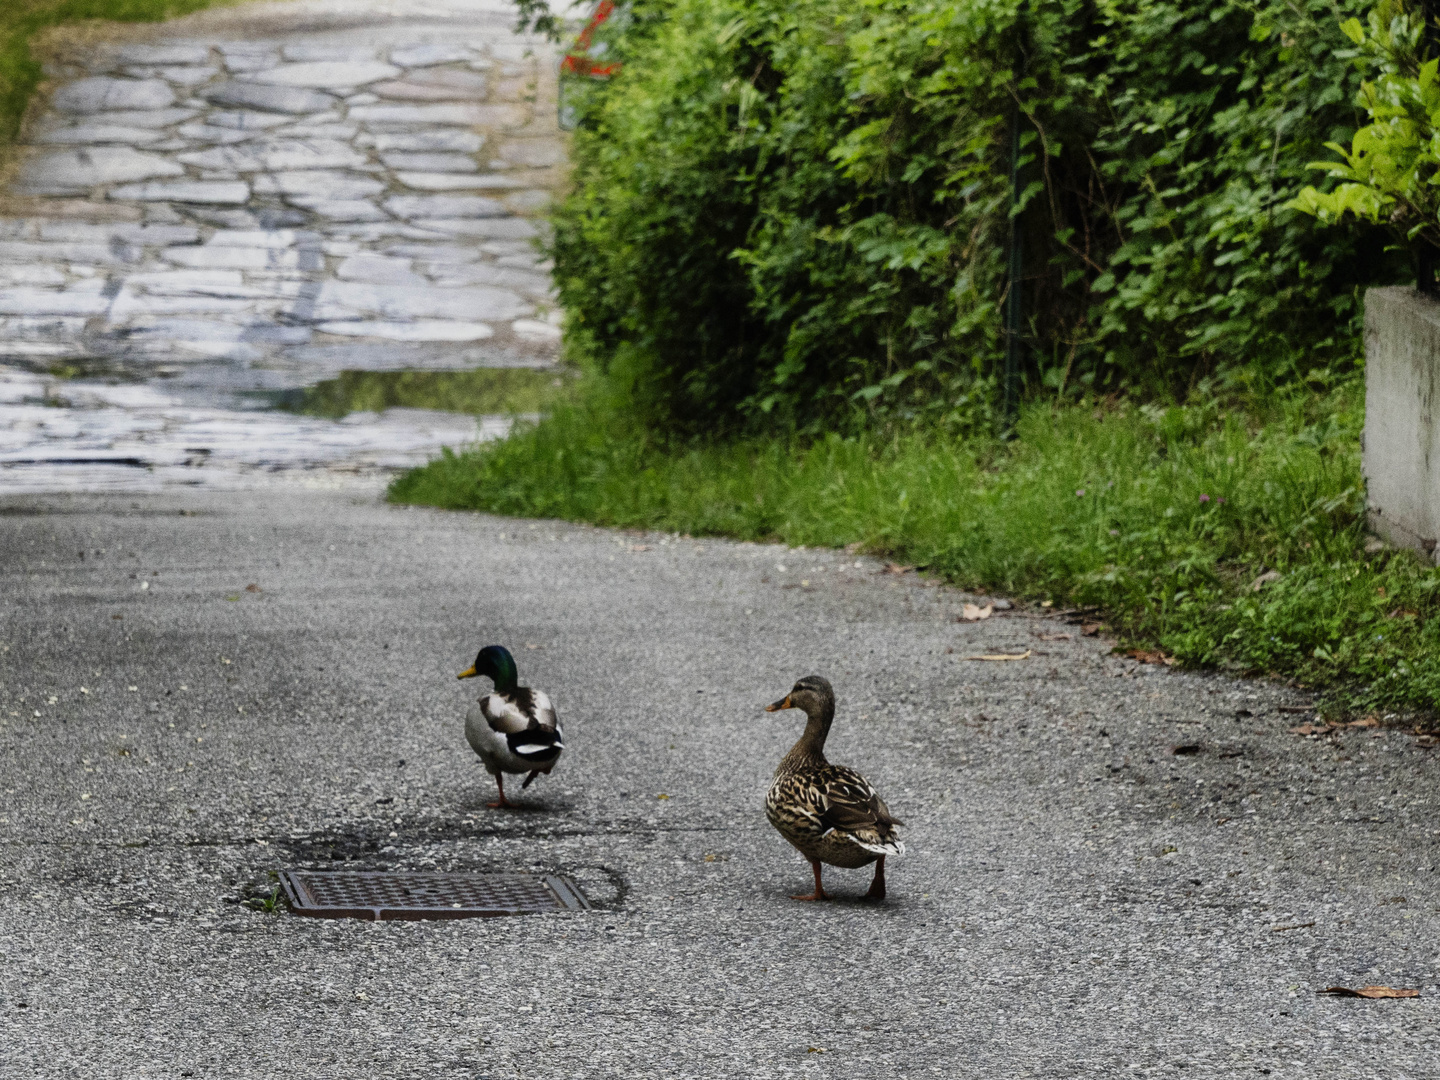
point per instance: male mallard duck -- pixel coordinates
(514, 729)
(829, 813)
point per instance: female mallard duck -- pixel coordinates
(829, 813)
(514, 729)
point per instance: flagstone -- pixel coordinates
(436, 84)
(337, 132)
(68, 171)
(210, 257)
(109, 233)
(491, 228)
(101, 93)
(258, 238)
(345, 209)
(319, 184)
(352, 299)
(412, 330)
(276, 99)
(178, 76)
(535, 329)
(379, 270)
(206, 135)
(463, 114)
(485, 273)
(319, 51)
(83, 298)
(411, 207)
(97, 134)
(328, 74)
(455, 181)
(214, 192)
(277, 154)
(429, 53)
(433, 163)
(241, 56)
(143, 118)
(435, 139)
(246, 119)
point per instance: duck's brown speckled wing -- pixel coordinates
(811, 804)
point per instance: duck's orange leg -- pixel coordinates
(819, 893)
(877, 887)
(501, 803)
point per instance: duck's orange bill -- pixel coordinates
(783, 703)
(468, 673)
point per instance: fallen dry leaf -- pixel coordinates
(1427, 741)
(896, 568)
(1150, 656)
(1001, 656)
(1369, 992)
(1055, 637)
(1090, 629)
(639, 547)
(1369, 721)
(974, 613)
(1264, 579)
(252, 587)
(1312, 729)
(1293, 926)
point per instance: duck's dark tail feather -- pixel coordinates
(537, 747)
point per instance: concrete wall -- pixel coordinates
(1401, 457)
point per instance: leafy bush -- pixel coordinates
(1390, 170)
(1224, 538)
(787, 212)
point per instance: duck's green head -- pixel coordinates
(811, 694)
(496, 662)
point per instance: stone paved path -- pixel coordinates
(251, 200)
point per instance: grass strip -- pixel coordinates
(1223, 537)
(478, 392)
(20, 20)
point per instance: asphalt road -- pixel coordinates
(1078, 899)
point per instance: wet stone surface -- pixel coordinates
(246, 203)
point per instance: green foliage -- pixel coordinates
(22, 19)
(1164, 517)
(1389, 172)
(796, 213)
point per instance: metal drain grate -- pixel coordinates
(327, 894)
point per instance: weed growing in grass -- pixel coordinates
(1165, 517)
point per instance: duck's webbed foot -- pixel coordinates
(877, 887)
(819, 893)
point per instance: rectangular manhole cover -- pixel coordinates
(341, 894)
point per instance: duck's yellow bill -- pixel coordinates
(468, 673)
(784, 703)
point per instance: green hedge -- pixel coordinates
(794, 213)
